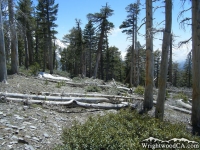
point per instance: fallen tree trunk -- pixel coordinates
(106, 106)
(56, 98)
(185, 105)
(86, 95)
(180, 109)
(74, 103)
(29, 101)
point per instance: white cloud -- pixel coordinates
(180, 54)
(115, 32)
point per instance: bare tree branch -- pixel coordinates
(184, 42)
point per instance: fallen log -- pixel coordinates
(185, 105)
(86, 95)
(56, 98)
(29, 101)
(74, 102)
(180, 109)
(106, 105)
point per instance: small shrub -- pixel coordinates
(167, 94)
(93, 89)
(121, 131)
(46, 82)
(34, 68)
(182, 96)
(139, 90)
(60, 84)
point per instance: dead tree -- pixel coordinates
(159, 113)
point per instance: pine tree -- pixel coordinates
(26, 20)
(100, 18)
(14, 40)
(90, 44)
(129, 28)
(46, 13)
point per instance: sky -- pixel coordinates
(69, 10)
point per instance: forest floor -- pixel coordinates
(40, 127)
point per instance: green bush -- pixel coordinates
(121, 131)
(139, 90)
(93, 89)
(182, 96)
(34, 68)
(60, 84)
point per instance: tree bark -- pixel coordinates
(148, 95)
(3, 69)
(14, 41)
(49, 41)
(170, 60)
(195, 62)
(159, 113)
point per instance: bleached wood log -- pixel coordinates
(105, 105)
(185, 105)
(39, 101)
(123, 88)
(56, 98)
(74, 102)
(87, 95)
(180, 109)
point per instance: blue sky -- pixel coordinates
(69, 10)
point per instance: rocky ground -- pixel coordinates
(40, 127)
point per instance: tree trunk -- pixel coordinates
(3, 69)
(26, 49)
(195, 62)
(159, 113)
(14, 41)
(148, 95)
(49, 41)
(30, 45)
(132, 57)
(99, 50)
(170, 60)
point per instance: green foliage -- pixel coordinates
(167, 94)
(182, 96)
(93, 89)
(46, 82)
(139, 90)
(121, 131)
(34, 68)
(60, 84)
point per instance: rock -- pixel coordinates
(10, 147)
(46, 135)
(26, 123)
(21, 140)
(18, 117)
(33, 127)
(1, 113)
(27, 136)
(36, 139)
(14, 142)
(29, 147)
(25, 108)
(14, 137)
